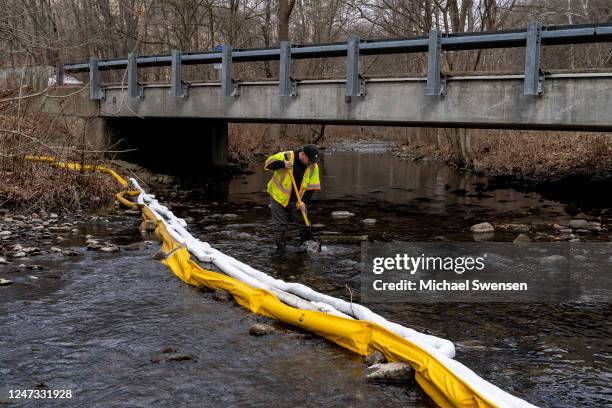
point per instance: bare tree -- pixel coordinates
(285, 7)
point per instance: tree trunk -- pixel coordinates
(461, 147)
(319, 134)
(266, 32)
(284, 12)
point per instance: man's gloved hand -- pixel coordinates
(287, 164)
(301, 206)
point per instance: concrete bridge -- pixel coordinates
(530, 100)
(568, 101)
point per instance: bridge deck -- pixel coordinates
(569, 101)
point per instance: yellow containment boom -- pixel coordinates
(448, 382)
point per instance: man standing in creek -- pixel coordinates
(283, 197)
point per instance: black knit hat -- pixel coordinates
(312, 152)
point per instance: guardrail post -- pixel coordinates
(228, 85)
(287, 86)
(355, 83)
(95, 92)
(534, 77)
(436, 81)
(179, 88)
(134, 88)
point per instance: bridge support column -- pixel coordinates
(218, 144)
(179, 146)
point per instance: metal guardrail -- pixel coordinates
(532, 38)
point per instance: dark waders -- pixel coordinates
(282, 217)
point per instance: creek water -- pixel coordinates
(91, 323)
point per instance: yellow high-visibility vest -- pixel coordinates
(279, 187)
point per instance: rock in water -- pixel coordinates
(170, 354)
(221, 295)
(178, 357)
(586, 225)
(390, 372)
(312, 247)
(554, 260)
(159, 255)
(482, 228)
(522, 238)
(375, 357)
(109, 248)
(147, 226)
(136, 246)
(93, 245)
(5, 282)
(519, 227)
(260, 329)
(342, 214)
(369, 221)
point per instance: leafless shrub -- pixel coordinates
(533, 154)
(522, 153)
(39, 186)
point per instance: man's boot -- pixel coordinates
(306, 235)
(280, 240)
(308, 242)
